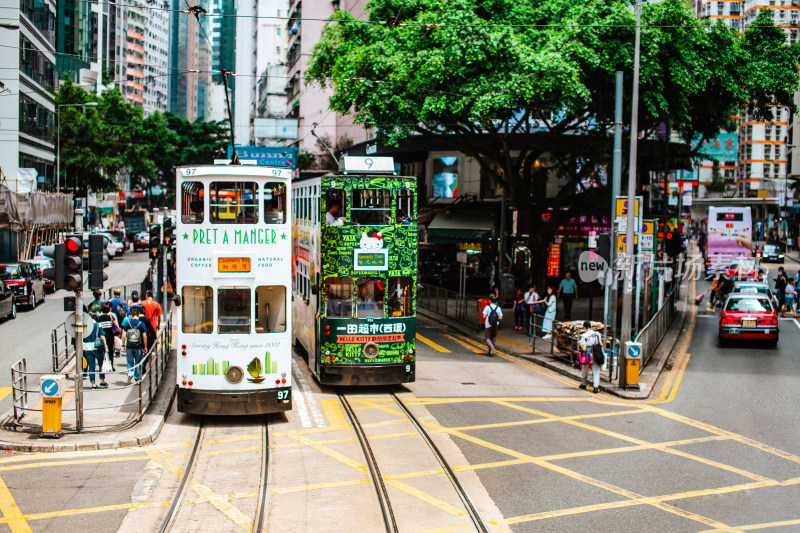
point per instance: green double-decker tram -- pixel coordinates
(355, 273)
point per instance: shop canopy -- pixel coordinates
(459, 227)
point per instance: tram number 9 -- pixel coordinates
(283, 394)
(408, 368)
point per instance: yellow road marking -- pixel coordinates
(545, 420)
(11, 511)
(334, 413)
(4, 391)
(752, 527)
(331, 453)
(425, 497)
(682, 358)
(369, 403)
(432, 344)
(223, 505)
(318, 486)
(469, 347)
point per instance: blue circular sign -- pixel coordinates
(49, 387)
(634, 351)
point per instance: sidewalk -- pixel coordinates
(518, 343)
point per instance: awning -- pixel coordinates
(457, 227)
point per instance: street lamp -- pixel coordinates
(58, 137)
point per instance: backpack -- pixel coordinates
(493, 320)
(120, 312)
(134, 335)
(598, 354)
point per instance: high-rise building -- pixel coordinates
(156, 56)
(27, 80)
(223, 55)
(131, 60)
(269, 87)
(183, 53)
(245, 68)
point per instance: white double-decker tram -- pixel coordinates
(234, 276)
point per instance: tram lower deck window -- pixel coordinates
(233, 310)
(270, 309)
(370, 297)
(197, 309)
(400, 299)
(339, 297)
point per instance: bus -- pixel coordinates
(355, 273)
(233, 244)
(729, 236)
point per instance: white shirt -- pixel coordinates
(486, 311)
(590, 338)
(531, 297)
(668, 274)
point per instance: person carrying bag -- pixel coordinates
(94, 351)
(590, 342)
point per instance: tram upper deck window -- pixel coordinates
(400, 300)
(274, 203)
(233, 310)
(233, 202)
(338, 297)
(197, 309)
(405, 207)
(371, 207)
(370, 294)
(270, 309)
(334, 207)
(192, 202)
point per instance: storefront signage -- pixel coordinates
(554, 260)
(469, 246)
(583, 225)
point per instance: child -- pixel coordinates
(791, 297)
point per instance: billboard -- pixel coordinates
(275, 128)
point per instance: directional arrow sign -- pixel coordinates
(634, 350)
(49, 387)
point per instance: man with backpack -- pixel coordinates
(118, 306)
(591, 354)
(134, 338)
(492, 316)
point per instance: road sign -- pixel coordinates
(633, 350)
(69, 324)
(622, 207)
(52, 386)
(461, 257)
(648, 236)
(621, 239)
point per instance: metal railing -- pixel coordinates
(563, 343)
(650, 336)
(449, 304)
(134, 404)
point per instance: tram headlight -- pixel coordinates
(234, 374)
(371, 350)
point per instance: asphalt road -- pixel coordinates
(28, 336)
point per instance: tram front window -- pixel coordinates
(274, 203)
(401, 296)
(192, 202)
(233, 202)
(371, 207)
(197, 310)
(233, 310)
(371, 297)
(339, 297)
(270, 309)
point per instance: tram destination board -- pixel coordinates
(233, 264)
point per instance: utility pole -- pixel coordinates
(616, 179)
(630, 239)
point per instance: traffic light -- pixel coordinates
(604, 247)
(155, 241)
(72, 264)
(673, 244)
(97, 261)
(169, 233)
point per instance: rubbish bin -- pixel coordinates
(482, 302)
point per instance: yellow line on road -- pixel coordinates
(425, 497)
(469, 347)
(682, 359)
(11, 511)
(752, 527)
(4, 391)
(432, 344)
(318, 486)
(223, 505)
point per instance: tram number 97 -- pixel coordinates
(283, 394)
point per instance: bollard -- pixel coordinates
(633, 358)
(52, 387)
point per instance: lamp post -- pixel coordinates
(58, 137)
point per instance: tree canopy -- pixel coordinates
(527, 88)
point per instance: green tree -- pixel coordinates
(527, 88)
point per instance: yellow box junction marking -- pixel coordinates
(432, 344)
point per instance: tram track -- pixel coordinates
(174, 520)
(379, 480)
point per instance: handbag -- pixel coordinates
(584, 358)
(106, 368)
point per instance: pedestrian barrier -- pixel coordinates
(449, 304)
(651, 334)
(104, 412)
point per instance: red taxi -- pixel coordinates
(743, 269)
(749, 316)
(141, 241)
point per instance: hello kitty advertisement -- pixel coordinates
(372, 254)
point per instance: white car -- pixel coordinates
(115, 247)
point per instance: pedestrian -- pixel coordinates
(519, 309)
(152, 313)
(118, 306)
(668, 274)
(110, 330)
(780, 287)
(492, 315)
(549, 303)
(791, 297)
(134, 338)
(588, 339)
(531, 307)
(94, 350)
(568, 291)
(94, 305)
(134, 301)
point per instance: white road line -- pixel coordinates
(796, 323)
(300, 403)
(309, 396)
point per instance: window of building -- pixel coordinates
(233, 202)
(371, 207)
(338, 297)
(233, 310)
(370, 297)
(192, 208)
(445, 177)
(334, 207)
(197, 309)
(274, 203)
(405, 207)
(270, 311)
(401, 296)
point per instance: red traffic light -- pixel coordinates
(73, 244)
(669, 236)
